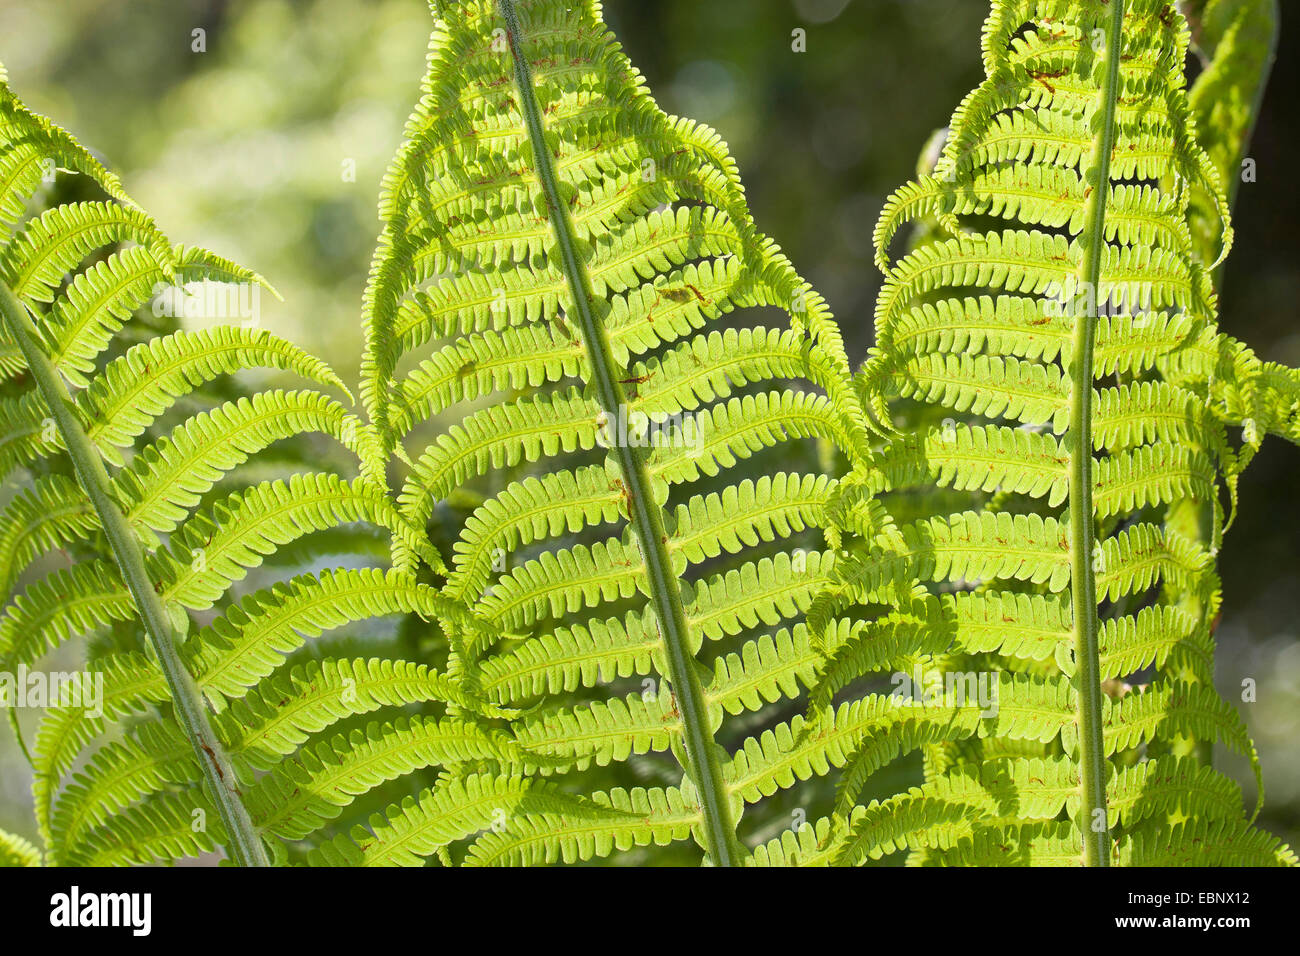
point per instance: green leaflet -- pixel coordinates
(15, 851)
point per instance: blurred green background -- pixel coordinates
(269, 145)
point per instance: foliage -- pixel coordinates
(647, 547)
(1062, 198)
(74, 275)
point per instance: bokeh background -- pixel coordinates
(269, 143)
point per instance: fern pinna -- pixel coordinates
(131, 460)
(1057, 335)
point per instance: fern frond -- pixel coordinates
(126, 440)
(1074, 223)
(576, 377)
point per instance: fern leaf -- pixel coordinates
(1075, 221)
(574, 376)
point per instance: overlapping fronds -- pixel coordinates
(658, 578)
(1060, 235)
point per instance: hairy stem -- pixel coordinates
(245, 846)
(1083, 583)
(647, 519)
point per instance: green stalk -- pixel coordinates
(245, 846)
(1083, 583)
(647, 520)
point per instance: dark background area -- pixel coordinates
(240, 147)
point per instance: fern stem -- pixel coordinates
(647, 520)
(1083, 583)
(245, 845)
